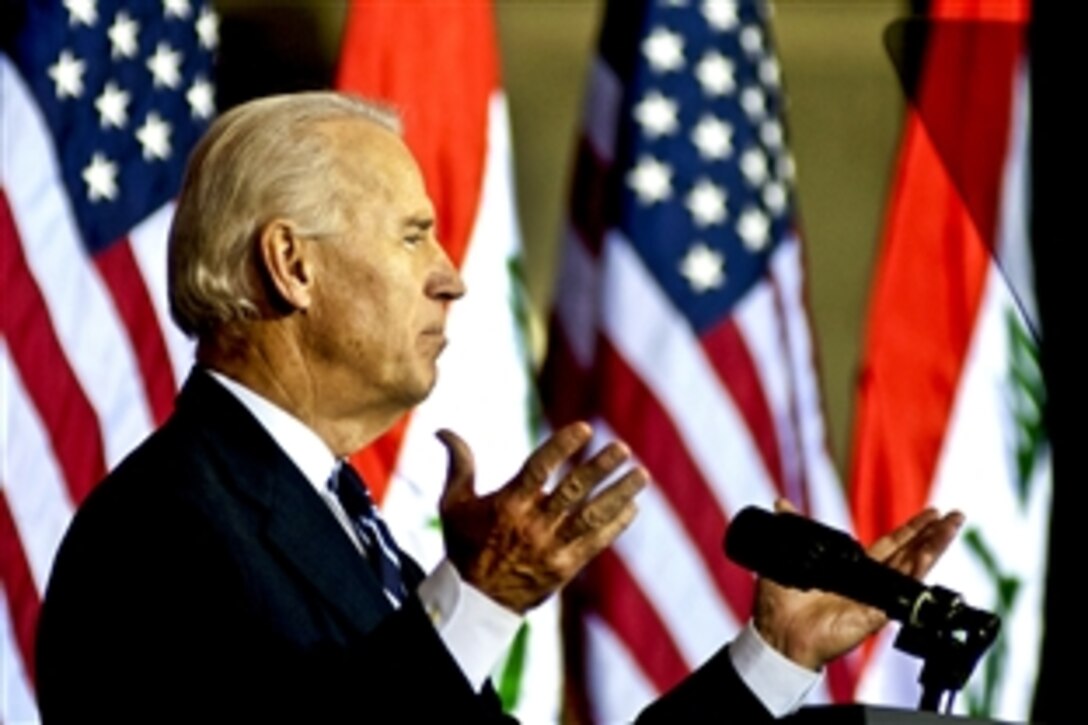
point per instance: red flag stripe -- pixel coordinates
(638, 418)
(622, 604)
(728, 354)
(73, 427)
(147, 241)
(118, 268)
(24, 604)
(592, 208)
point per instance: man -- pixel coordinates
(231, 568)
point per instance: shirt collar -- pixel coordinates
(301, 444)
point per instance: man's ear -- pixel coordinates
(285, 265)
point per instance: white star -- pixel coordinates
(706, 202)
(656, 114)
(81, 11)
(754, 229)
(715, 74)
(664, 49)
(651, 180)
(67, 74)
(112, 105)
(770, 132)
(123, 36)
(751, 39)
(713, 137)
(207, 28)
(754, 102)
(720, 14)
(774, 196)
(753, 164)
(154, 136)
(201, 98)
(165, 66)
(769, 72)
(703, 267)
(101, 178)
(176, 8)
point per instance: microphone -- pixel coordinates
(798, 552)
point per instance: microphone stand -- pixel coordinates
(950, 638)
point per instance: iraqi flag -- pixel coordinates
(951, 392)
(445, 83)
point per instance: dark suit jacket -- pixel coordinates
(204, 579)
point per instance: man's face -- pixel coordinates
(383, 286)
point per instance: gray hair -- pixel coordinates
(259, 161)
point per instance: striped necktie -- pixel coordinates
(381, 551)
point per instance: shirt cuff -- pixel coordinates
(475, 629)
(777, 681)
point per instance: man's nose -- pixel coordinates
(446, 283)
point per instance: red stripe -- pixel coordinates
(728, 354)
(795, 482)
(610, 591)
(593, 199)
(563, 382)
(637, 417)
(69, 419)
(24, 604)
(119, 270)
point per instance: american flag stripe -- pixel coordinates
(38, 356)
(19, 588)
(117, 267)
(661, 448)
(634, 621)
(36, 492)
(149, 251)
(674, 579)
(707, 373)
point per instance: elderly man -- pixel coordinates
(233, 566)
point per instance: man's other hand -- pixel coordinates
(520, 544)
(813, 627)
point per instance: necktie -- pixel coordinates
(381, 551)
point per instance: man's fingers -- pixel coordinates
(919, 555)
(601, 519)
(577, 484)
(461, 469)
(549, 456)
(888, 544)
(782, 505)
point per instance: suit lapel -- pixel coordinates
(298, 525)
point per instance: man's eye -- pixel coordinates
(414, 239)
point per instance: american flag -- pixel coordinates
(680, 326)
(100, 103)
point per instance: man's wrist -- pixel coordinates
(778, 682)
(475, 629)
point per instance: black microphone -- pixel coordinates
(798, 552)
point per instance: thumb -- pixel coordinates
(461, 469)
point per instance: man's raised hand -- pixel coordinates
(520, 544)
